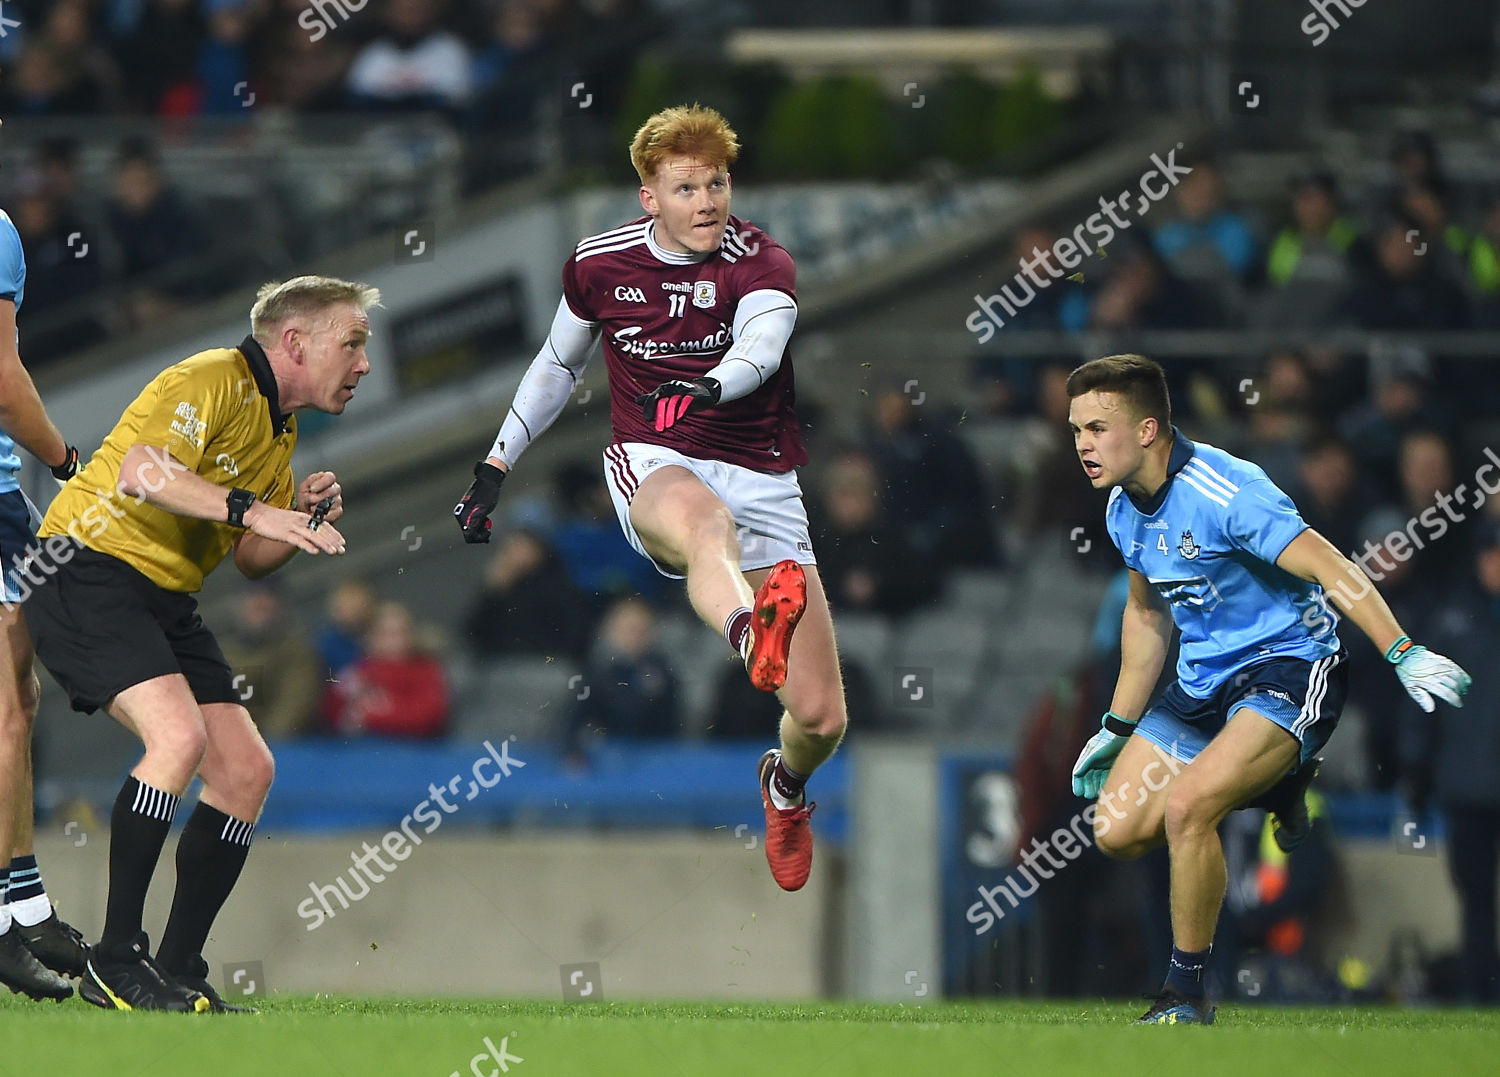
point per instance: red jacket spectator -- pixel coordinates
(393, 690)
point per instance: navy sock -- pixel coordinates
(1185, 972)
(25, 879)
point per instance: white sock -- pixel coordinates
(781, 802)
(30, 912)
(4, 919)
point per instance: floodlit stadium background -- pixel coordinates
(164, 157)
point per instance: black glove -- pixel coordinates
(473, 511)
(68, 468)
(671, 400)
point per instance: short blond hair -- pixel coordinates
(279, 301)
(683, 130)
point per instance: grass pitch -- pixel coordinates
(292, 1036)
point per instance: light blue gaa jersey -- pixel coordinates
(1208, 542)
(12, 287)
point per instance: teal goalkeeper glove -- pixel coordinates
(1098, 755)
(1424, 674)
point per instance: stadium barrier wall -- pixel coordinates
(670, 916)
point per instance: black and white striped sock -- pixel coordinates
(137, 829)
(26, 897)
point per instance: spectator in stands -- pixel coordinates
(1404, 289)
(414, 62)
(1283, 415)
(155, 230)
(158, 54)
(1426, 470)
(934, 494)
(1482, 270)
(1051, 499)
(57, 163)
(1414, 159)
(1139, 292)
(1331, 493)
(1005, 382)
(629, 689)
(49, 82)
(395, 690)
(1383, 546)
(299, 73)
(1208, 241)
(1443, 239)
(87, 75)
(223, 69)
(600, 562)
(1453, 756)
(1308, 265)
(519, 35)
(273, 662)
(340, 639)
(866, 563)
(1401, 400)
(527, 604)
(55, 273)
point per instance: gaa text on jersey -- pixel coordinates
(629, 295)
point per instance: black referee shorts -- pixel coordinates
(100, 627)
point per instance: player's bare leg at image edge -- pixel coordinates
(21, 892)
(1144, 803)
(220, 744)
(685, 527)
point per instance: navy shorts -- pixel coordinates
(1304, 698)
(17, 532)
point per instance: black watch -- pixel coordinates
(239, 504)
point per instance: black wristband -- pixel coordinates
(1117, 725)
(488, 472)
(713, 386)
(68, 468)
(239, 502)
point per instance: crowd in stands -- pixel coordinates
(182, 58)
(1418, 252)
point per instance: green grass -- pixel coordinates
(293, 1036)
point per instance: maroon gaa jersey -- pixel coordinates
(663, 321)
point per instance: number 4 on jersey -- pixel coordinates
(1161, 543)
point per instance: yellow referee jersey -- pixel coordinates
(216, 413)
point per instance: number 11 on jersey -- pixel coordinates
(676, 305)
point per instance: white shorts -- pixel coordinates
(767, 506)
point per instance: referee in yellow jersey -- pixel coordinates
(199, 466)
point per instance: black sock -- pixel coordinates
(787, 782)
(210, 854)
(137, 828)
(1185, 972)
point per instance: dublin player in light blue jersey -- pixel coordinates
(34, 944)
(1216, 549)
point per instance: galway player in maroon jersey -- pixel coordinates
(695, 308)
